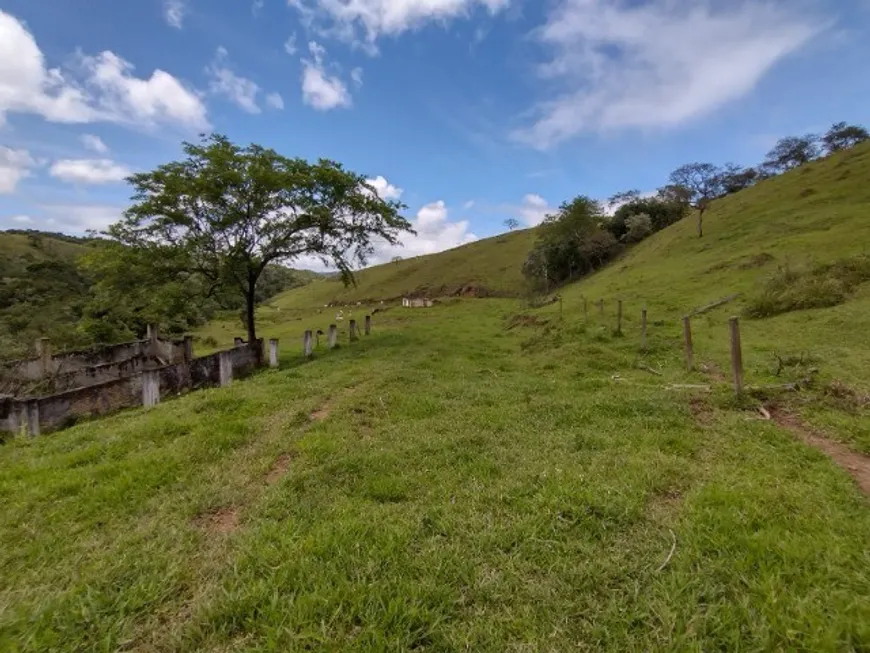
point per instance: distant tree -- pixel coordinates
(226, 212)
(701, 183)
(661, 213)
(511, 223)
(639, 226)
(842, 136)
(675, 194)
(735, 178)
(623, 197)
(793, 151)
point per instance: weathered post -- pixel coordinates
(32, 416)
(151, 332)
(273, 352)
(585, 309)
(736, 355)
(643, 329)
(619, 318)
(333, 336)
(601, 307)
(560, 307)
(353, 333)
(150, 388)
(368, 325)
(188, 349)
(308, 344)
(687, 337)
(238, 342)
(225, 367)
(43, 350)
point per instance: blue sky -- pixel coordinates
(470, 111)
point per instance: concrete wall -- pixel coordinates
(65, 408)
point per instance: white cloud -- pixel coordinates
(356, 75)
(385, 190)
(290, 44)
(79, 218)
(275, 101)
(174, 12)
(94, 143)
(364, 21)
(89, 171)
(14, 166)
(22, 219)
(257, 7)
(435, 233)
(96, 88)
(660, 63)
(321, 90)
(468, 205)
(533, 210)
(239, 90)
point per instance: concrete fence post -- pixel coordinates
(736, 354)
(333, 336)
(225, 365)
(307, 344)
(273, 352)
(619, 318)
(238, 342)
(43, 350)
(151, 332)
(150, 389)
(188, 349)
(368, 325)
(687, 339)
(31, 415)
(353, 333)
(643, 329)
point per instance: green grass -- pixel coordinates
(464, 487)
(464, 479)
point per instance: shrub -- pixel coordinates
(638, 227)
(820, 286)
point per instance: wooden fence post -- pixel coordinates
(643, 329)
(736, 355)
(585, 309)
(333, 336)
(619, 317)
(368, 325)
(188, 349)
(307, 344)
(353, 333)
(150, 388)
(601, 307)
(273, 352)
(687, 337)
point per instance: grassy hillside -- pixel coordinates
(483, 476)
(489, 267)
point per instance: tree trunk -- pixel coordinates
(701, 223)
(250, 305)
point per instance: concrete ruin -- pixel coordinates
(50, 392)
(417, 302)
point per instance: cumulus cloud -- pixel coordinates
(237, 89)
(533, 209)
(385, 190)
(95, 88)
(356, 75)
(435, 233)
(320, 90)
(290, 44)
(363, 21)
(15, 165)
(22, 219)
(94, 143)
(79, 218)
(618, 64)
(275, 101)
(174, 12)
(89, 171)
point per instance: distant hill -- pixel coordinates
(491, 267)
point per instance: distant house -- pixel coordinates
(416, 302)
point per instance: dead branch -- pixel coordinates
(647, 368)
(716, 304)
(687, 386)
(764, 412)
(670, 555)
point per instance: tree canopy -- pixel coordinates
(842, 136)
(793, 151)
(224, 213)
(701, 183)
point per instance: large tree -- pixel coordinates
(842, 136)
(791, 152)
(700, 184)
(226, 212)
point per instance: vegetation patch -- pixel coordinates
(819, 286)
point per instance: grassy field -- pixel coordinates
(480, 475)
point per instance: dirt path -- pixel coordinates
(856, 464)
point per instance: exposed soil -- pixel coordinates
(526, 321)
(701, 410)
(857, 464)
(279, 468)
(222, 521)
(321, 413)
